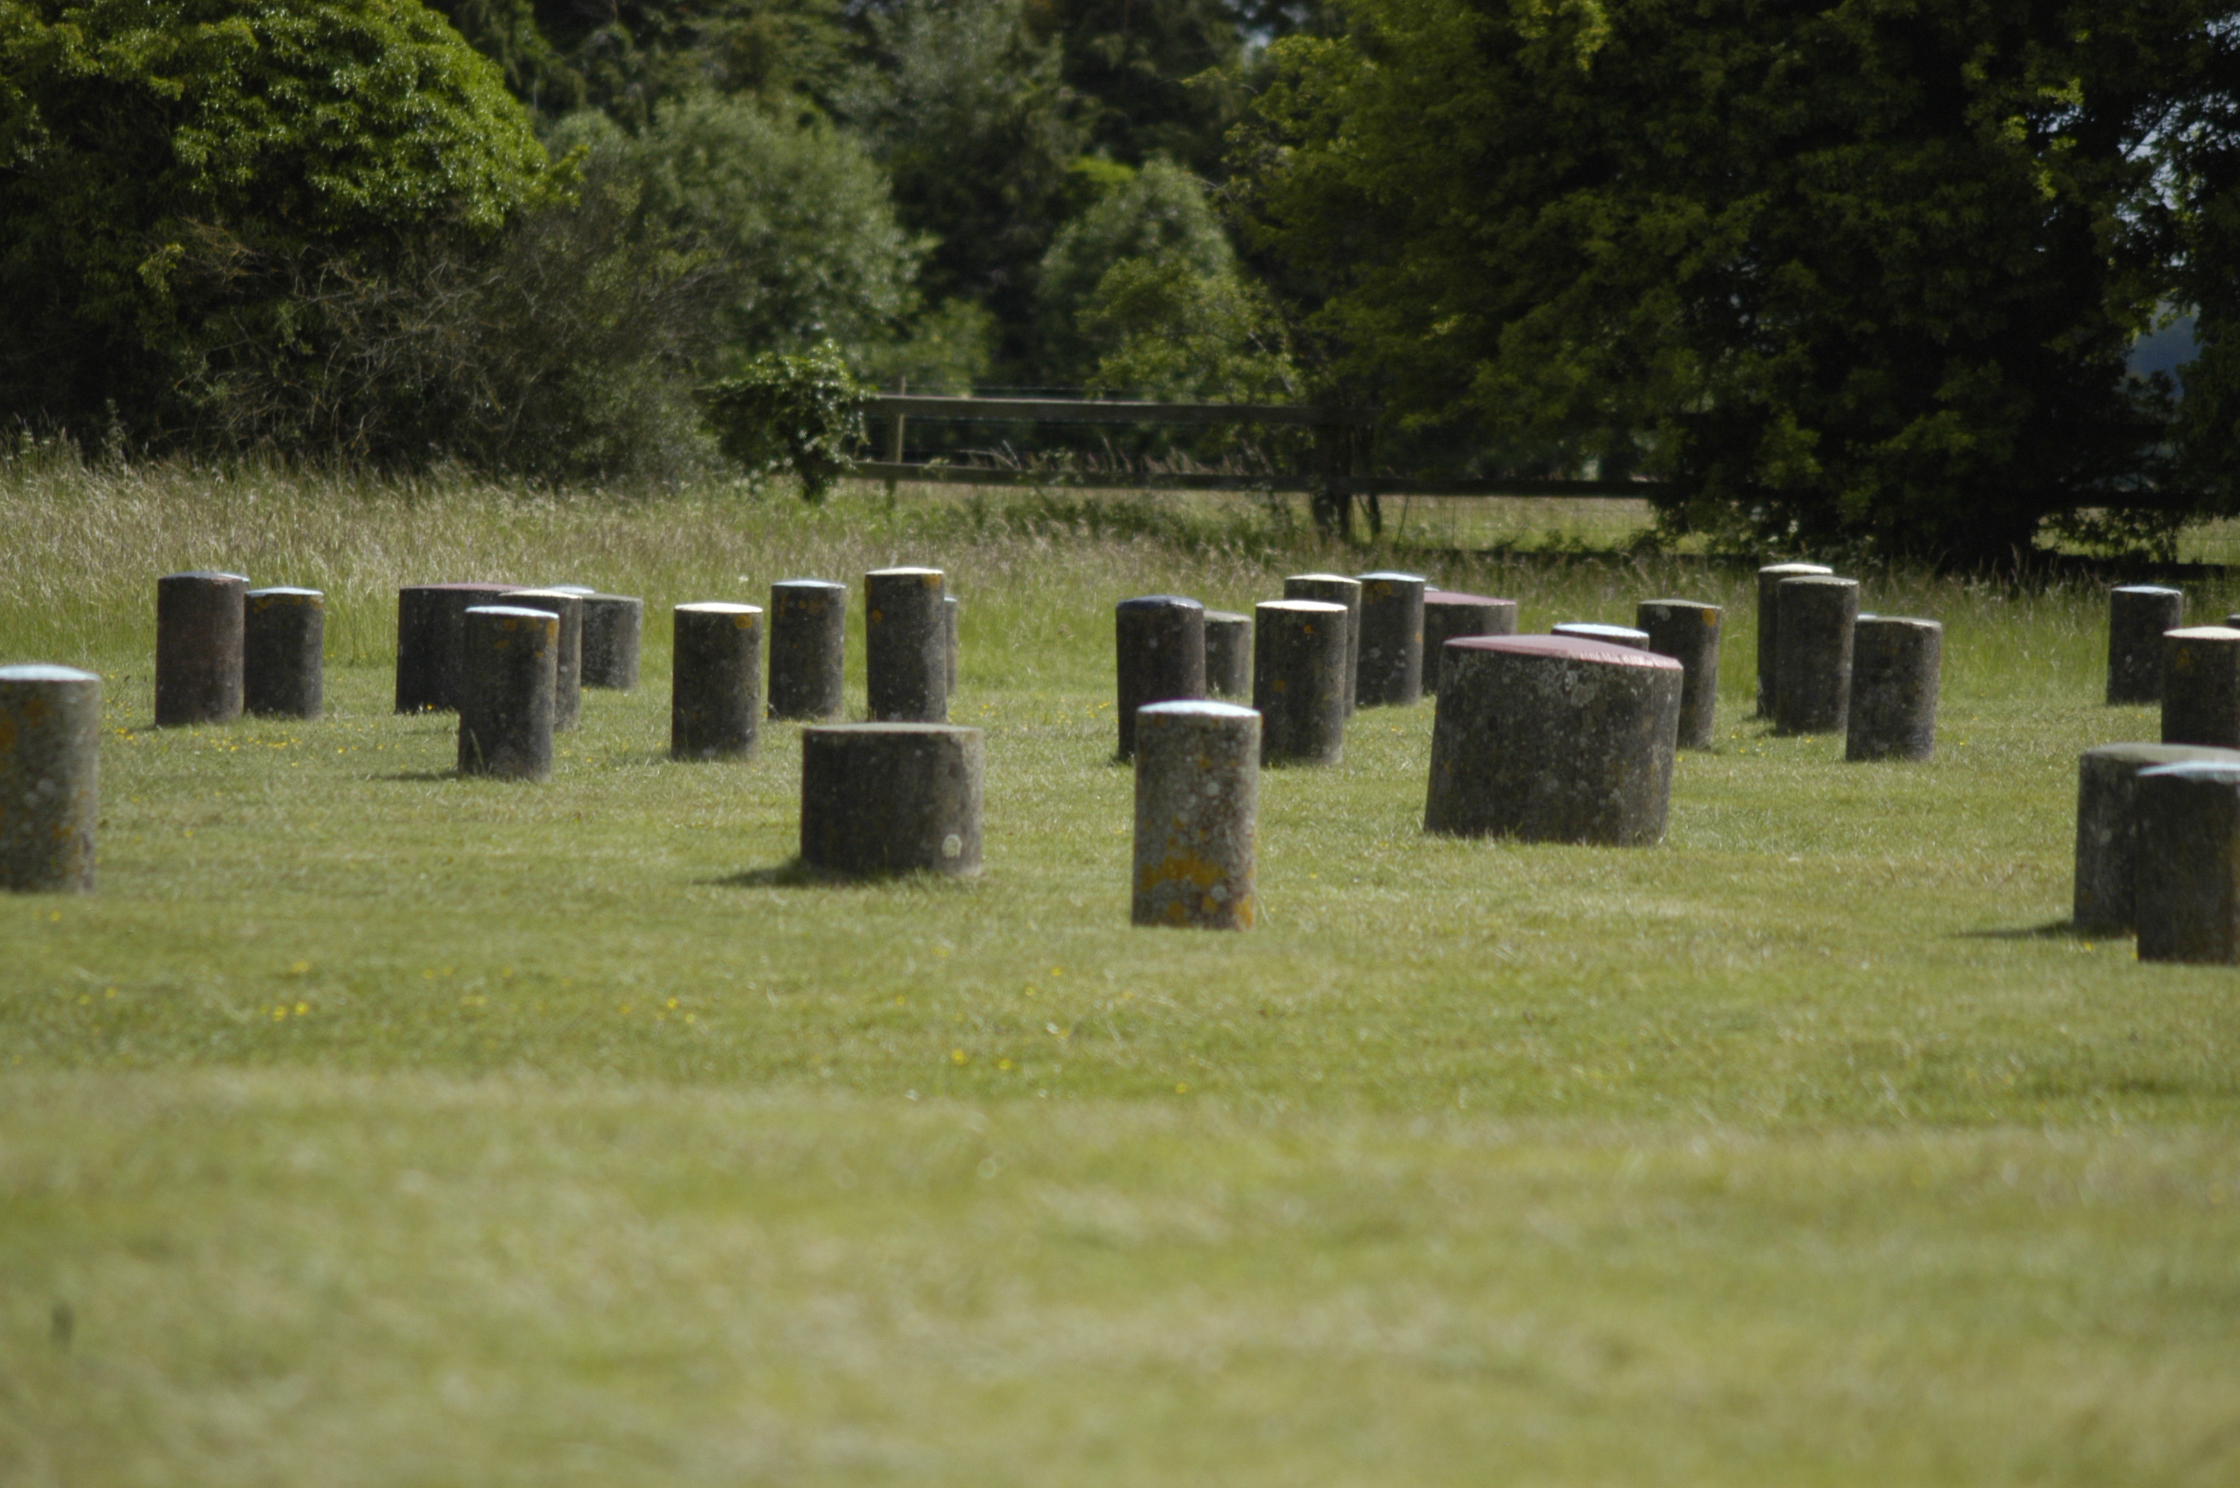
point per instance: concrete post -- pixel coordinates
(1388, 670)
(1769, 625)
(1553, 739)
(951, 617)
(1448, 614)
(1159, 647)
(1299, 680)
(1812, 684)
(1335, 589)
(1688, 632)
(613, 628)
(2188, 900)
(887, 798)
(50, 778)
(2201, 686)
(1896, 667)
(2107, 830)
(431, 642)
(284, 653)
(715, 686)
(1228, 654)
(906, 645)
(1197, 814)
(2138, 615)
(1615, 635)
(505, 702)
(199, 622)
(567, 675)
(808, 648)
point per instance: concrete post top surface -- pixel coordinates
(2145, 589)
(1456, 596)
(719, 607)
(904, 573)
(855, 730)
(287, 591)
(41, 671)
(1796, 569)
(474, 588)
(2203, 633)
(1594, 631)
(2160, 754)
(584, 590)
(1909, 622)
(1820, 580)
(206, 575)
(541, 594)
(2214, 772)
(1229, 615)
(1680, 604)
(1197, 709)
(1566, 648)
(1391, 576)
(1321, 578)
(1159, 602)
(1302, 606)
(822, 585)
(516, 612)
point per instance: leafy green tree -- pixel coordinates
(1163, 329)
(1859, 273)
(1151, 73)
(629, 57)
(1159, 213)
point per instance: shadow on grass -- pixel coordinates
(2050, 930)
(421, 777)
(795, 874)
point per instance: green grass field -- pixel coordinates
(374, 1126)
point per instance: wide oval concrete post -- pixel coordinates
(199, 624)
(1449, 614)
(2201, 686)
(1688, 632)
(2107, 831)
(1299, 680)
(1769, 626)
(887, 798)
(1228, 654)
(567, 676)
(906, 645)
(1553, 739)
(1812, 688)
(613, 634)
(505, 700)
(2187, 904)
(284, 653)
(1197, 815)
(50, 778)
(1897, 666)
(1159, 655)
(715, 685)
(2138, 616)
(431, 642)
(808, 649)
(1615, 635)
(1337, 589)
(1388, 669)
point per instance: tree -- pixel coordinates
(1859, 273)
(1151, 72)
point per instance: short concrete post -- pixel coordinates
(1388, 671)
(1228, 654)
(952, 615)
(1335, 589)
(431, 641)
(1448, 614)
(1769, 625)
(1159, 646)
(2201, 686)
(567, 676)
(199, 621)
(1553, 739)
(1615, 635)
(715, 683)
(1197, 814)
(906, 645)
(1688, 632)
(2188, 900)
(2107, 831)
(50, 778)
(888, 798)
(2138, 615)
(1812, 684)
(1896, 667)
(613, 629)
(808, 648)
(1299, 680)
(284, 653)
(505, 702)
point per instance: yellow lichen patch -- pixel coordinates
(1183, 868)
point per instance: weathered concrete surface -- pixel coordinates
(567, 676)
(1553, 739)
(952, 615)
(2107, 831)
(1449, 614)
(2188, 876)
(505, 702)
(1769, 626)
(1159, 655)
(1299, 680)
(1688, 632)
(1812, 684)
(431, 642)
(887, 798)
(284, 653)
(2201, 686)
(199, 623)
(613, 632)
(715, 686)
(1197, 815)
(808, 648)
(2138, 614)
(1897, 667)
(906, 645)
(50, 778)
(1388, 664)
(1336, 589)
(1615, 635)
(1228, 654)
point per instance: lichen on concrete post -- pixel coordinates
(284, 653)
(1688, 632)
(1769, 626)
(431, 642)
(1228, 654)
(505, 698)
(1897, 666)
(1614, 635)
(2187, 904)
(199, 621)
(1299, 680)
(1553, 739)
(2201, 686)
(1197, 815)
(567, 677)
(50, 778)
(1337, 589)
(1388, 661)
(1812, 685)
(1449, 614)
(906, 645)
(2107, 832)
(2138, 617)
(879, 799)
(715, 685)
(808, 649)
(1159, 655)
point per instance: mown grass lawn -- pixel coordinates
(376, 1126)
